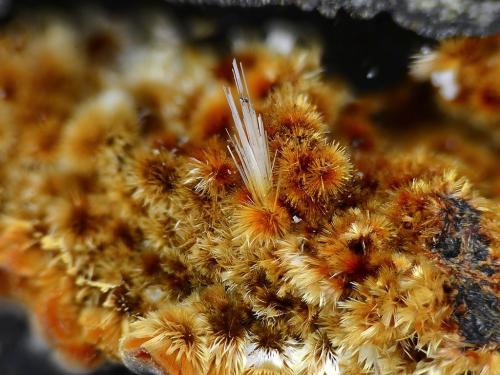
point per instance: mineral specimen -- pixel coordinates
(282, 226)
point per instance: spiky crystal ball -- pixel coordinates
(280, 226)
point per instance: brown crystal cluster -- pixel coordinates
(347, 235)
(466, 72)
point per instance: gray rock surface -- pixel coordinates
(431, 18)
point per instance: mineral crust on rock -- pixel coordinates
(186, 211)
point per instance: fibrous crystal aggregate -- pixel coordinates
(285, 225)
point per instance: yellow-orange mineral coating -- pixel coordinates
(132, 235)
(465, 73)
